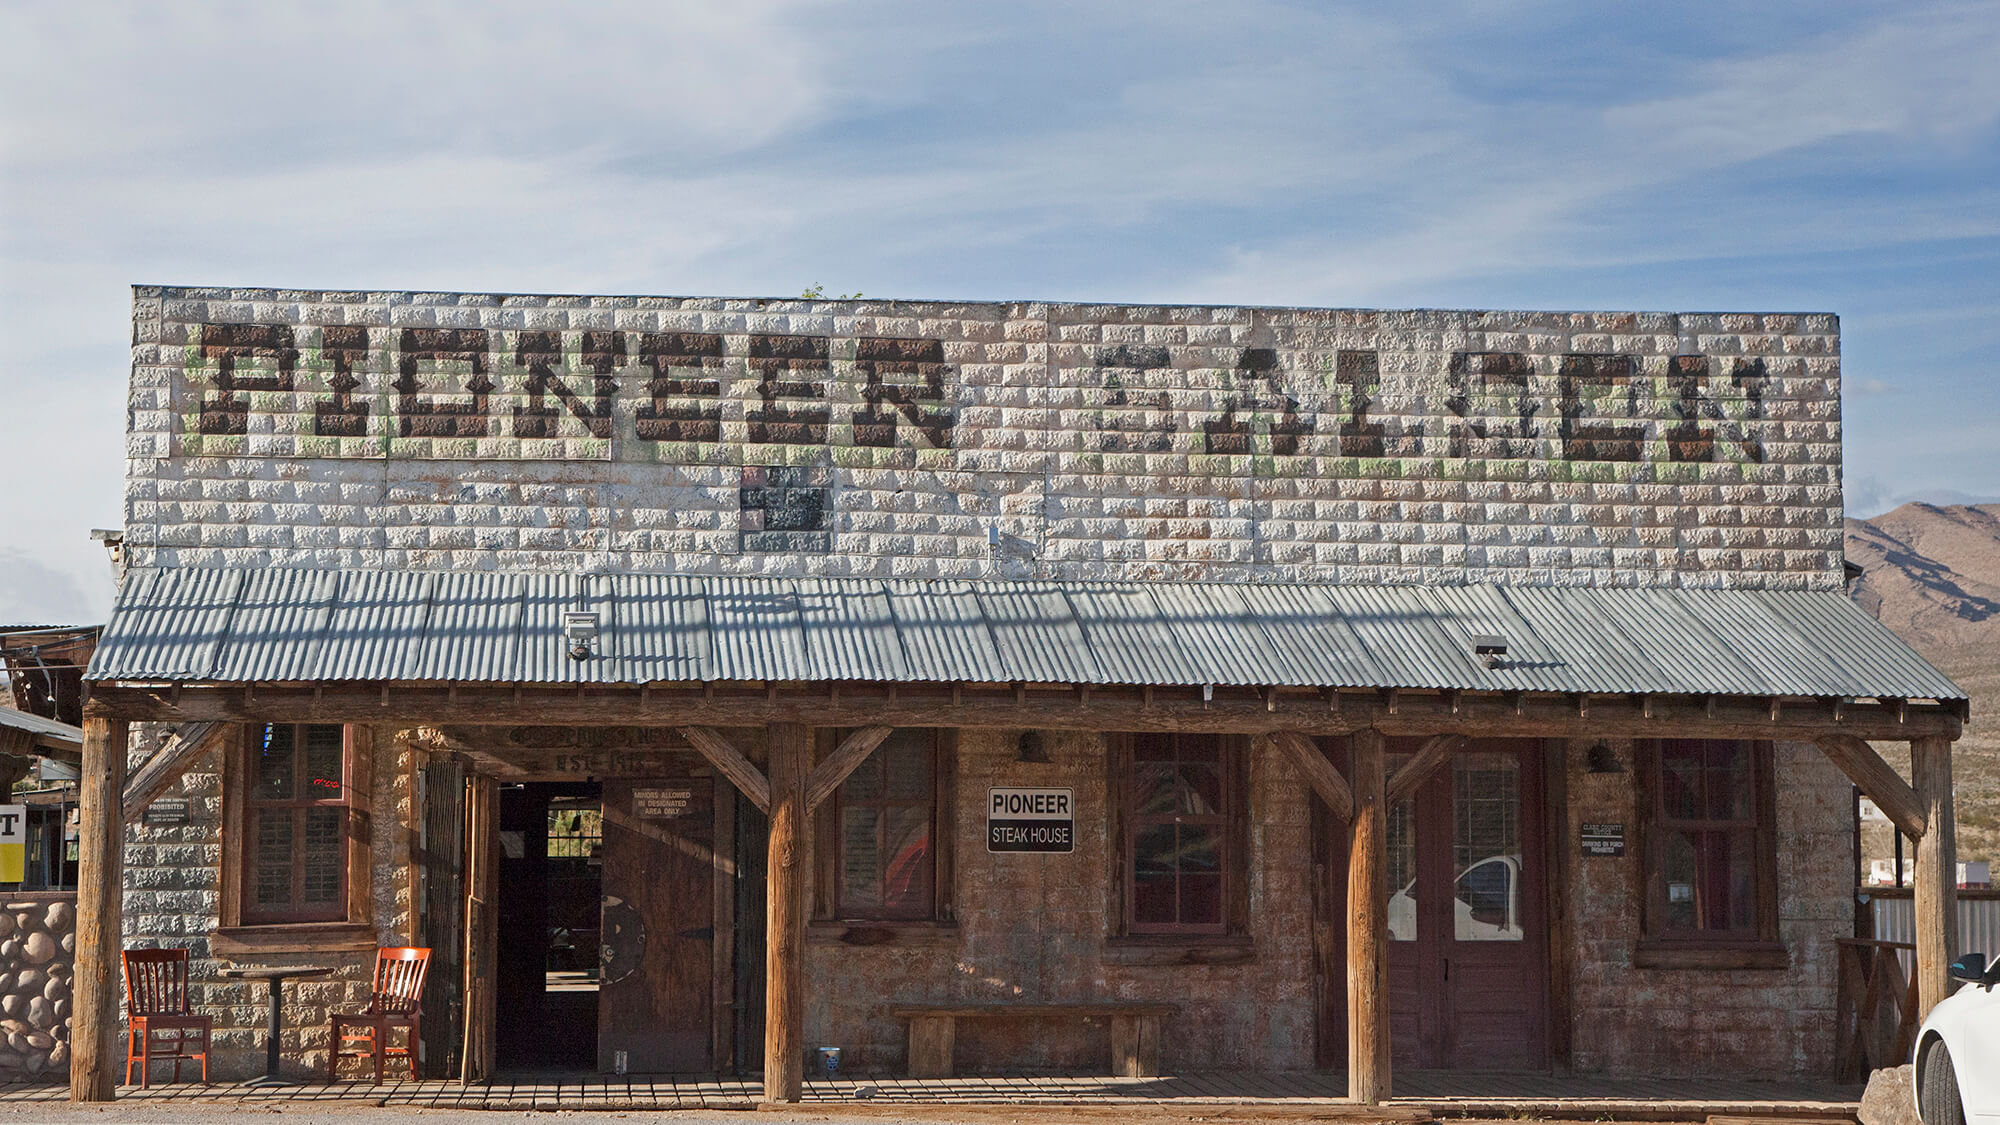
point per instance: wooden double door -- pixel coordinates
(1468, 934)
(606, 937)
(1468, 944)
(657, 938)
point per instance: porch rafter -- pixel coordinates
(1877, 780)
(845, 759)
(1051, 707)
(1413, 773)
(168, 763)
(732, 764)
(1320, 774)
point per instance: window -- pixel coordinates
(296, 856)
(1183, 834)
(1710, 848)
(889, 843)
(295, 839)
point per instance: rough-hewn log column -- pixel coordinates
(94, 1055)
(482, 928)
(790, 749)
(1368, 926)
(1936, 890)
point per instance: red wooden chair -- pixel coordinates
(395, 1001)
(159, 1022)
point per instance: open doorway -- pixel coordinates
(550, 881)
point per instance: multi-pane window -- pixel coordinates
(1178, 838)
(296, 817)
(1709, 850)
(887, 817)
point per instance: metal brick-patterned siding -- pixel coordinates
(287, 626)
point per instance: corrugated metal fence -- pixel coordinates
(1894, 918)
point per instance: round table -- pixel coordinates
(275, 975)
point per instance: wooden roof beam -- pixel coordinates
(845, 759)
(1320, 774)
(1877, 780)
(1421, 713)
(180, 751)
(1422, 764)
(730, 763)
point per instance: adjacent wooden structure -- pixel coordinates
(788, 787)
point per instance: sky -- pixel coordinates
(1784, 156)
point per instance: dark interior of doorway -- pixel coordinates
(550, 873)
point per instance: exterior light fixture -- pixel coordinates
(580, 630)
(1031, 748)
(1603, 759)
(1493, 648)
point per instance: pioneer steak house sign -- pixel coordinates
(1030, 820)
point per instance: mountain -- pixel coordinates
(1932, 574)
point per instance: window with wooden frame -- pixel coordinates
(884, 835)
(296, 871)
(1708, 813)
(1182, 834)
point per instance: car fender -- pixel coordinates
(1968, 1023)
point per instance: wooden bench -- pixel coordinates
(1135, 1032)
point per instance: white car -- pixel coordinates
(1487, 906)
(1958, 1050)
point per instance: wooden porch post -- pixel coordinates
(1936, 893)
(482, 928)
(93, 1062)
(1368, 926)
(790, 858)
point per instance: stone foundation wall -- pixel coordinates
(1032, 929)
(37, 965)
(1690, 1022)
(893, 438)
(173, 886)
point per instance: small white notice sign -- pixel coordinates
(1030, 820)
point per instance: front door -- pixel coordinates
(1467, 939)
(657, 926)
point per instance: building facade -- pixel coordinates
(1005, 685)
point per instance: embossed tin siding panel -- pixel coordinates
(938, 440)
(205, 625)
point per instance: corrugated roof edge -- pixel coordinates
(193, 625)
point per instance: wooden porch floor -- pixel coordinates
(1447, 1095)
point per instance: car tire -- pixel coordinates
(1938, 1098)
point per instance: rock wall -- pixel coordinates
(1032, 929)
(1691, 1022)
(37, 964)
(955, 440)
(173, 888)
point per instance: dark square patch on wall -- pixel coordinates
(786, 508)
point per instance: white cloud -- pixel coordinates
(36, 591)
(1279, 153)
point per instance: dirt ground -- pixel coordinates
(214, 1113)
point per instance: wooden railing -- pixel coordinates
(1876, 1008)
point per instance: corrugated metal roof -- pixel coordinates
(36, 725)
(293, 625)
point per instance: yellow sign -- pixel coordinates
(13, 843)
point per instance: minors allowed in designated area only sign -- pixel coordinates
(1030, 820)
